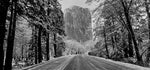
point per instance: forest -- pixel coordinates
(36, 31)
(122, 28)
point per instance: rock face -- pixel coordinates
(78, 23)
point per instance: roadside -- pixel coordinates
(136, 67)
(54, 63)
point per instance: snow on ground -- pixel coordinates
(136, 67)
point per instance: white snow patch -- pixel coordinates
(136, 67)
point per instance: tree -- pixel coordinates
(58, 27)
(11, 36)
(48, 15)
(130, 29)
(148, 16)
(39, 45)
(4, 4)
(47, 46)
(105, 38)
(55, 45)
(42, 16)
(122, 10)
(35, 43)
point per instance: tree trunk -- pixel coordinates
(130, 30)
(4, 4)
(39, 45)
(148, 14)
(22, 51)
(34, 43)
(113, 42)
(11, 36)
(112, 37)
(55, 46)
(125, 48)
(106, 43)
(47, 46)
(130, 47)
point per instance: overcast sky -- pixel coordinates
(69, 3)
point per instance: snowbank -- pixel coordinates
(136, 67)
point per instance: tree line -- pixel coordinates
(45, 19)
(123, 28)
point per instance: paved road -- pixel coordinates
(82, 62)
(54, 64)
(79, 62)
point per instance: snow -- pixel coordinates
(136, 67)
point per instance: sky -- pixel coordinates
(69, 3)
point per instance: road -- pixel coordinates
(79, 62)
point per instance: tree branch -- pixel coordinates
(130, 4)
(144, 51)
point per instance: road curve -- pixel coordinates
(80, 62)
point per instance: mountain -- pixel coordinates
(78, 23)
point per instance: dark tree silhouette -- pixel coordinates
(39, 45)
(148, 15)
(130, 47)
(11, 36)
(105, 40)
(55, 45)
(47, 46)
(129, 27)
(34, 43)
(4, 4)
